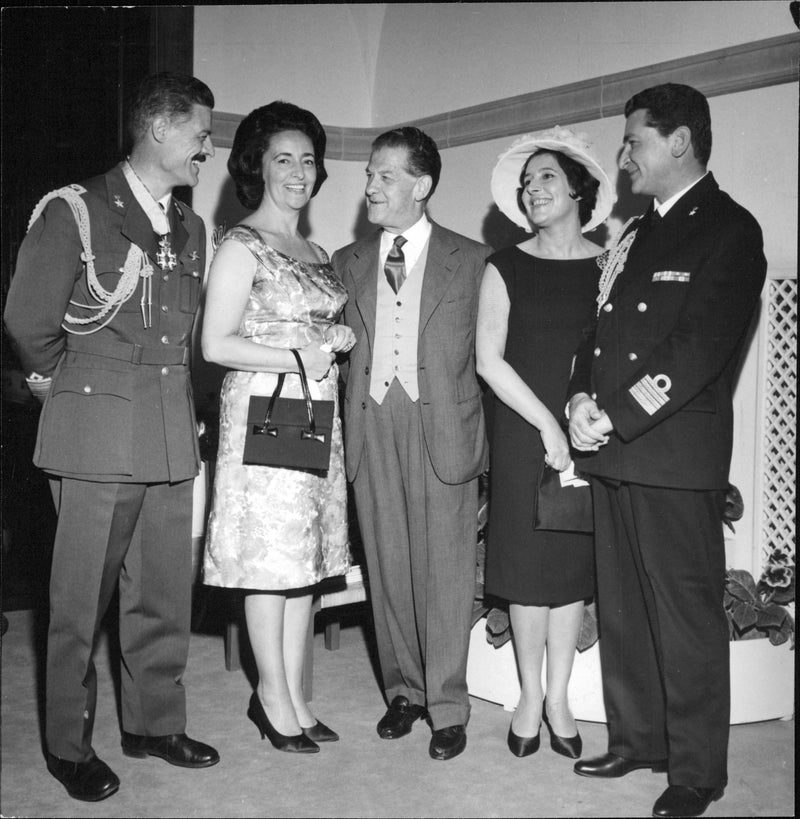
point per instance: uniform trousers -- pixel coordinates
(136, 537)
(420, 541)
(664, 646)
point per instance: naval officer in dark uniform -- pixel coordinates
(100, 310)
(651, 405)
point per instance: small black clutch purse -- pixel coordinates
(563, 506)
(293, 433)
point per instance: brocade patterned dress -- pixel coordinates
(276, 529)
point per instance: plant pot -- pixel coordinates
(762, 679)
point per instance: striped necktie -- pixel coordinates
(395, 267)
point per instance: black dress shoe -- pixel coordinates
(319, 732)
(177, 749)
(611, 766)
(399, 718)
(566, 746)
(89, 781)
(522, 746)
(448, 742)
(291, 743)
(681, 800)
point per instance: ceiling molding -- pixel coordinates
(730, 70)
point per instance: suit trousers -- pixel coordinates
(664, 647)
(135, 537)
(420, 540)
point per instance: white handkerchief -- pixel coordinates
(569, 478)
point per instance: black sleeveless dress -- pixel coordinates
(552, 301)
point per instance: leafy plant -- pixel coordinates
(756, 609)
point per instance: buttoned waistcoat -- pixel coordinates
(449, 393)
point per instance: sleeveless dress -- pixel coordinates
(551, 302)
(277, 529)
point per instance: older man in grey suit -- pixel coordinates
(415, 441)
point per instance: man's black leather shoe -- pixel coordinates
(399, 718)
(611, 766)
(448, 742)
(89, 781)
(681, 800)
(177, 749)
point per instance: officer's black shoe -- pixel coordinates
(89, 781)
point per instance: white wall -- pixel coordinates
(439, 56)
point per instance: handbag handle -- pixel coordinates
(267, 429)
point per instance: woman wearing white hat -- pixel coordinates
(535, 300)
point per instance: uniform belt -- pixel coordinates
(133, 353)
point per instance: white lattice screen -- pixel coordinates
(780, 420)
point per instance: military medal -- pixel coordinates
(166, 259)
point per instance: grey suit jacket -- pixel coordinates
(450, 396)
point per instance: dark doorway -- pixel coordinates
(67, 74)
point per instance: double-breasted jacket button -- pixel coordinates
(594, 396)
(165, 371)
(87, 389)
(641, 306)
(196, 274)
(166, 277)
(632, 356)
(165, 339)
(596, 352)
(164, 308)
(608, 307)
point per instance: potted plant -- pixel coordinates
(762, 678)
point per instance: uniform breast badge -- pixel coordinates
(194, 255)
(166, 259)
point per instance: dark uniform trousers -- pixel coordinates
(660, 573)
(136, 536)
(420, 542)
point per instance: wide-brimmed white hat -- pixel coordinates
(505, 176)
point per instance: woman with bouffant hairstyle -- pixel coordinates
(275, 533)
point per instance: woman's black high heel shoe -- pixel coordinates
(293, 744)
(566, 746)
(319, 732)
(522, 746)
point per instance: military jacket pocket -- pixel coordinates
(190, 285)
(87, 423)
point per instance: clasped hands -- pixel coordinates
(589, 426)
(317, 358)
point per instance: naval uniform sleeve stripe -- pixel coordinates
(648, 395)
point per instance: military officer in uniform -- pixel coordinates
(100, 310)
(651, 406)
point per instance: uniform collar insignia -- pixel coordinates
(194, 255)
(692, 211)
(118, 202)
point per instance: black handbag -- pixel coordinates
(563, 506)
(294, 433)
